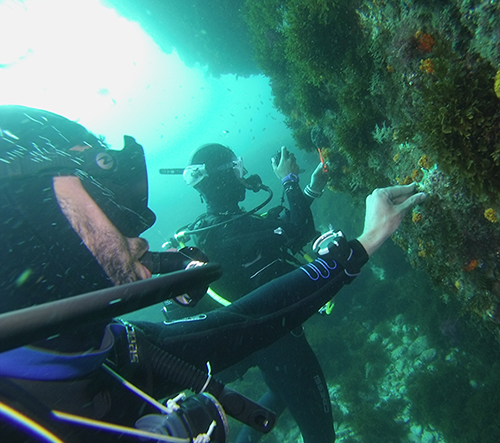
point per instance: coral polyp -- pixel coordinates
(416, 217)
(425, 162)
(402, 92)
(491, 215)
(425, 41)
(496, 85)
(427, 66)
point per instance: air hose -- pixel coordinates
(179, 234)
(189, 377)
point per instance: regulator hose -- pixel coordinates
(167, 366)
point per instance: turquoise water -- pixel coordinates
(402, 365)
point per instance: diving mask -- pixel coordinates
(194, 174)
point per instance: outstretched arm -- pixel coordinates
(227, 335)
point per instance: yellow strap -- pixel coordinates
(329, 307)
(27, 422)
(116, 428)
(217, 297)
(308, 258)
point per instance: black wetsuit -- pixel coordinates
(58, 259)
(44, 259)
(254, 250)
(223, 337)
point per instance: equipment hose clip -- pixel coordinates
(333, 245)
(329, 239)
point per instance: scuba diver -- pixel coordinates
(72, 211)
(254, 250)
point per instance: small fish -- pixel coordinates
(8, 134)
(24, 277)
(225, 132)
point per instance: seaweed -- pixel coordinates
(425, 72)
(405, 91)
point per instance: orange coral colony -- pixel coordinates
(425, 41)
(416, 217)
(473, 264)
(425, 162)
(427, 66)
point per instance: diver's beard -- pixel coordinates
(117, 255)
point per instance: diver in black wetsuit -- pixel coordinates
(71, 212)
(254, 250)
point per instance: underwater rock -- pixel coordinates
(418, 346)
(399, 366)
(374, 337)
(344, 431)
(416, 430)
(400, 320)
(399, 352)
(428, 437)
(428, 355)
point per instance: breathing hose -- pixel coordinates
(187, 376)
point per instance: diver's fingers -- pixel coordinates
(400, 193)
(274, 162)
(411, 201)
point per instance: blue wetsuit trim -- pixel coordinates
(37, 364)
(317, 271)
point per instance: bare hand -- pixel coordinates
(385, 208)
(287, 164)
(319, 179)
